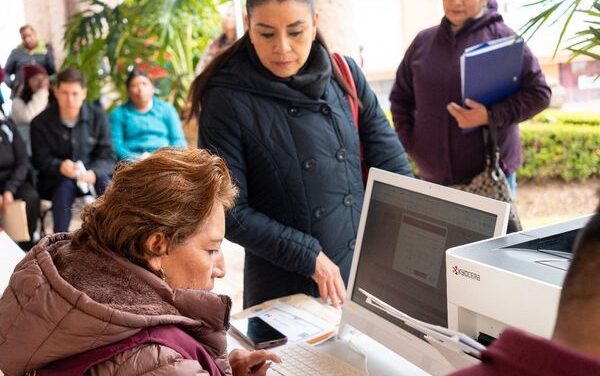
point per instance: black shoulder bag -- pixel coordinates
(492, 182)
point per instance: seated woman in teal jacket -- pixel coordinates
(144, 123)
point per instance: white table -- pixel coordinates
(10, 255)
(348, 347)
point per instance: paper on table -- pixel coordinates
(299, 301)
(458, 340)
(297, 325)
(315, 307)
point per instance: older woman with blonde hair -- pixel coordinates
(129, 293)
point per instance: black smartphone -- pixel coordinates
(258, 333)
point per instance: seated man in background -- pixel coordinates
(575, 345)
(65, 138)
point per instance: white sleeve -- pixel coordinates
(22, 112)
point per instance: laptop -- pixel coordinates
(395, 318)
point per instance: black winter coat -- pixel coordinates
(14, 162)
(296, 161)
(52, 142)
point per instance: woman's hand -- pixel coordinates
(45, 83)
(251, 363)
(68, 168)
(330, 282)
(471, 117)
(89, 177)
(6, 199)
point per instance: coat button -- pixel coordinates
(309, 164)
(348, 200)
(341, 155)
(352, 244)
(326, 110)
(293, 111)
(318, 213)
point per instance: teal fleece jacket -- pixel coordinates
(135, 133)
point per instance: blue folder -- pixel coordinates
(491, 71)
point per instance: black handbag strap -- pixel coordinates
(492, 151)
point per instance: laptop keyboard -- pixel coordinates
(304, 360)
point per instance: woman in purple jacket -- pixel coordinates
(424, 98)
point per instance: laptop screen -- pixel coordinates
(402, 256)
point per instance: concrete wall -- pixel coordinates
(48, 18)
(336, 23)
(419, 15)
(11, 19)
(386, 28)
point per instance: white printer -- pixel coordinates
(514, 280)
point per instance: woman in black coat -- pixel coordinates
(275, 107)
(14, 171)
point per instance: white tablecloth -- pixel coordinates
(10, 255)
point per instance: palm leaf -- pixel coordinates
(141, 31)
(563, 11)
(571, 9)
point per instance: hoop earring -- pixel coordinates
(161, 274)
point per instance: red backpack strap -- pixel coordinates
(168, 335)
(342, 65)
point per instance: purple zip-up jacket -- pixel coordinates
(517, 353)
(429, 78)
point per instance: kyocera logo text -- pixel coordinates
(466, 273)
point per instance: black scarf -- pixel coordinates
(311, 79)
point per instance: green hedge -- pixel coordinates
(561, 145)
(567, 118)
(560, 150)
